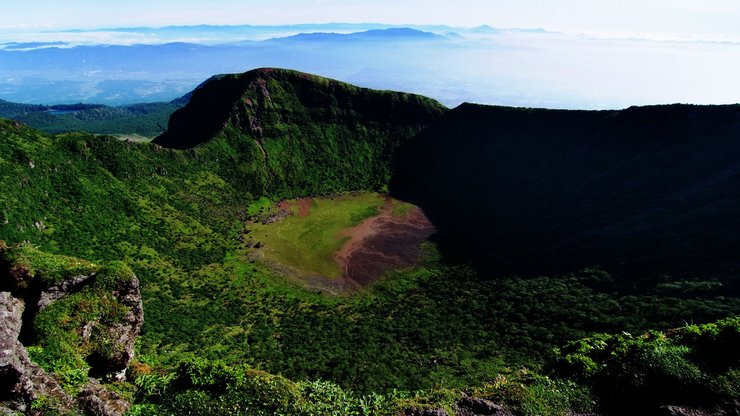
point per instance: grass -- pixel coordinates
(307, 244)
(400, 209)
(30, 262)
(259, 207)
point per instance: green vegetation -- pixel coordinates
(211, 388)
(306, 243)
(289, 134)
(692, 366)
(61, 348)
(58, 343)
(133, 121)
(30, 263)
(255, 343)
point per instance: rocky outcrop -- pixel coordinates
(96, 400)
(23, 382)
(728, 409)
(683, 411)
(471, 406)
(27, 388)
(60, 290)
(124, 334)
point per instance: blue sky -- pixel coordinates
(690, 18)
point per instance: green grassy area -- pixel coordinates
(307, 244)
(400, 209)
(260, 206)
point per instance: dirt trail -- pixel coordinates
(382, 243)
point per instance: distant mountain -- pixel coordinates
(484, 29)
(29, 45)
(182, 57)
(395, 34)
(11, 110)
(641, 191)
(243, 30)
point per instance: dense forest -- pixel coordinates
(146, 120)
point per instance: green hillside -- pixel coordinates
(227, 334)
(287, 133)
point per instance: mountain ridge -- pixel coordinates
(295, 134)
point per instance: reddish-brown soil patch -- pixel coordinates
(304, 207)
(383, 243)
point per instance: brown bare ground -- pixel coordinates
(382, 243)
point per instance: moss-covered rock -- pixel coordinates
(80, 320)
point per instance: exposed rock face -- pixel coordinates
(11, 310)
(728, 410)
(22, 380)
(58, 291)
(683, 411)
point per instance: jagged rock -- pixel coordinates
(96, 400)
(22, 380)
(126, 332)
(11, 367)
(6, 411)
(471, 406)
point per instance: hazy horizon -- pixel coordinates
(709, 19)
(530, 53)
